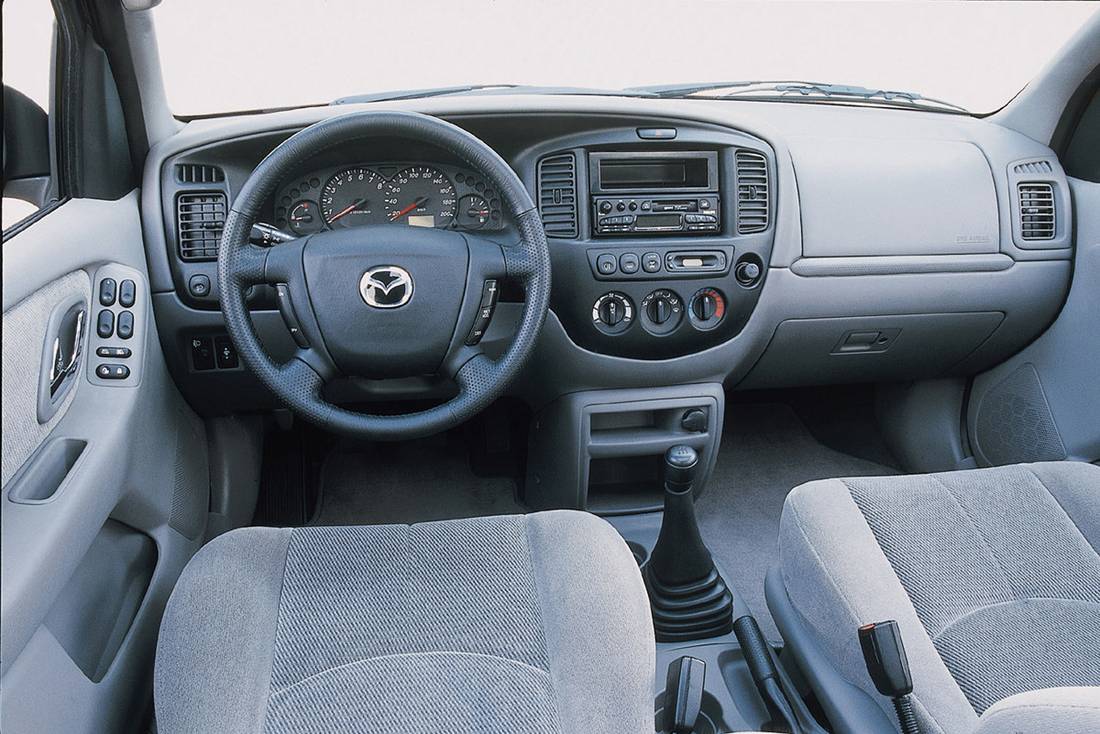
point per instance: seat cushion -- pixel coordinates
(993, 575)
(535, 623)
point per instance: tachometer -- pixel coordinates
(421, 196)
(354, 196)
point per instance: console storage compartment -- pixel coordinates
(602, 450)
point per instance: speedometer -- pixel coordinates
(421, 196)
(354, 196)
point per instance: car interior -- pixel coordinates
(696, 408)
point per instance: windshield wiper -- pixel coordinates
(779, 90)
(488, 89)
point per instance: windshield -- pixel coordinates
(222, 56)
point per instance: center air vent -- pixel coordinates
(752, 192)
(201, 219)
(558, 195)
(199, 173)
(1036, 211)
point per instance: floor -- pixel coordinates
(767, 449)
(771, 443)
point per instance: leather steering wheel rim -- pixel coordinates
(299, 382)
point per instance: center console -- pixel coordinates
(669, 237)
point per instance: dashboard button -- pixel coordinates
(199, 285)
(651, 262)
(202, 353)
(225, 353)
(628, 263)
(606, 264)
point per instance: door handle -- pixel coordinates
(67, 347)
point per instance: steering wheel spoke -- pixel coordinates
(283, 263)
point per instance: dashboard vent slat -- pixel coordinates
(200, 219)
(198, 173)
(1033, 167)
(752, 192)
(557, 180)
(1037, 218)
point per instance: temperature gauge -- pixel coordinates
(304, 217)
(473, 212)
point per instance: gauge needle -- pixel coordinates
(398, 214)
(348, 210)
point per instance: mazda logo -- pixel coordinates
(387, 286)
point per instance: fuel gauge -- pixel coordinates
(304, 217)
(473, 212)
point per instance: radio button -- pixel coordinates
(628, 263)
(651, 262)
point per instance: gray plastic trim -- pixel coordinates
(900, 264)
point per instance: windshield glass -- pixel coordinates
(222, 56)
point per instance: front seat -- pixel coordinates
(521, 623)
(993, 577)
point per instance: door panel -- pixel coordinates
(103, 502)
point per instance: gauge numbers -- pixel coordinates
(421, 196)
(353, 197)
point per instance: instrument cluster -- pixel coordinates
(413, 194)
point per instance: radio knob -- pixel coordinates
(747, 273)
(605, 207)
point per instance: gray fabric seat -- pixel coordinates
(992, 574)
(521, 623)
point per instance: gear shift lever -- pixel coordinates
(689, 599)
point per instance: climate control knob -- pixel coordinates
(708, 307)
(613, 313)
(662, 311)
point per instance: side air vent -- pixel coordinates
(1037, 220)
(752, 192)
(1033, 167)
(558, 195)
(200, 218)
(198, 173)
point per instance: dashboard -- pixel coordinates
(756, 245)
(407, 193)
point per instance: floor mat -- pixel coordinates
(410, 481)
(766, 451)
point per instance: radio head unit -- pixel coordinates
(614, 215)
(654, 193)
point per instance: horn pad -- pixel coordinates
(386, 297)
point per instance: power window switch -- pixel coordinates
(112, 371)
(113, 352)
(105, 324)
(125, 324)
(202, 353)
(107, 292)
(226, 353)
(127, 293)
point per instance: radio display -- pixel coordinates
(657, 221)
(653, 173)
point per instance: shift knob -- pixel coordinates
(680, 464)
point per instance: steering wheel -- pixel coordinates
(384, 300)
